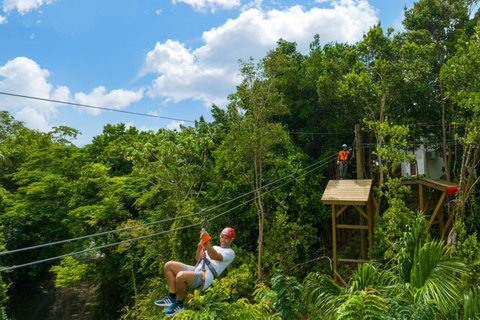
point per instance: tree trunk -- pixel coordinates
(261, 220)
(258, 170)
(446, 163)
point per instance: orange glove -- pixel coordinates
(205, 237)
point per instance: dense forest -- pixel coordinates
(130, 201)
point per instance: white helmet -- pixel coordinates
(344, 145)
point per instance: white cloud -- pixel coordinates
(115, 99)
(174, 125)
(33, 119)
(23, 76)
(158, 12)
(147, 129)
(3, 20)
(24, 6)
(182, 77)
(210, 4)
(252, 4)
(210, 72)
(142, 128)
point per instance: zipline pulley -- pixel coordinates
(204, 218)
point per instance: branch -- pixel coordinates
(304, 263)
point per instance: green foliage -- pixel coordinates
(220, 301)
(410, 245)
(436, 276)
(365, 305)
(70, 272)
(432, 275)
(471, 304)
(265, 294)
(239, 282)
(240, 309)
(370, 275)
(288, 292)
(425, 280)
(322, 295)
(467, 250)
(283, 235)
(393, 223)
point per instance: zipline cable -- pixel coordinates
(92, 107)
(250, 192)
(149, 223)
(158, 233)
(139, 113)
(95, 235)
(96, 248)
(266, 192)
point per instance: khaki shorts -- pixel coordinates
(197, 282)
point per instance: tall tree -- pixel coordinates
(460, 76)
(376, 85)
(440, 23)
(252, 148)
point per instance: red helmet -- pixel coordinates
(229, 232)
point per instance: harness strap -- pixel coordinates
(209, 265)
(206, 262)
(343, 155)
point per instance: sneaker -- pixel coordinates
(165, 302)
(173, 309)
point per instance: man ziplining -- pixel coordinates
(212, 261)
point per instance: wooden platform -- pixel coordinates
(341, 194)
(436, 184)
(441, 187)
(347, 192)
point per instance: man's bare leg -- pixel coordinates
(182, 281)
(172, 268)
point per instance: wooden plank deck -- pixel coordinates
(437, 184)
(347, 192)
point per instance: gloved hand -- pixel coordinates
(205, 237)
(338, 162)
(200, 245)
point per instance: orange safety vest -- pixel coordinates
(343, 155)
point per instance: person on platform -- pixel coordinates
(343, 159)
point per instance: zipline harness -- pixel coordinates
(203, 255)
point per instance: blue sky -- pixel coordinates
(167, 58)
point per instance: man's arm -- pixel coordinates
(199, 253)
(214, 254)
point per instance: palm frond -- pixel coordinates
(370, 275)
(322, 294)
(365, 305)
(471, 304)
(437, 276)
